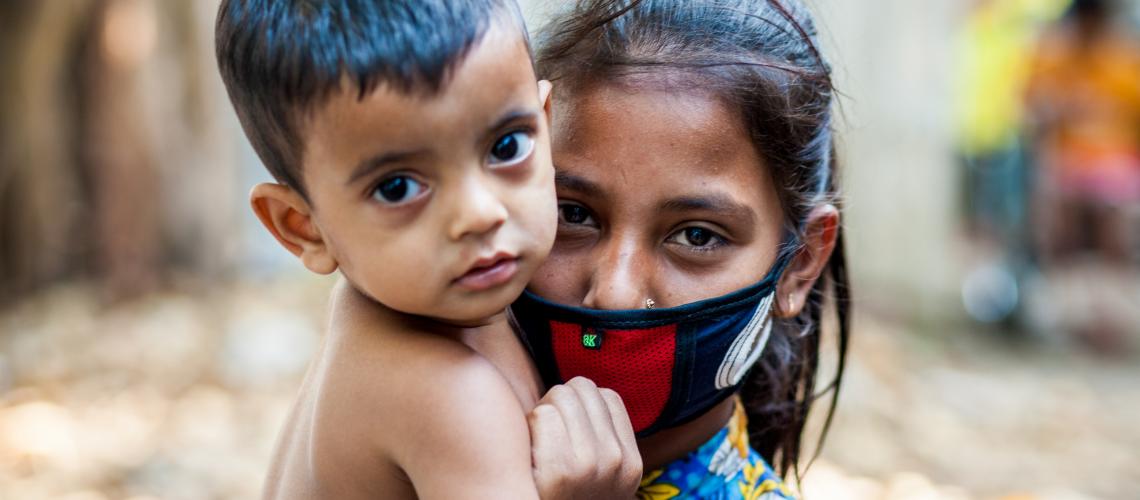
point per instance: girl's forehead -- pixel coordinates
(664, 131)
(627, 113)
(653, 149)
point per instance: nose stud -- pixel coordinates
(650, 304)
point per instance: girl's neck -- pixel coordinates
(668, 445)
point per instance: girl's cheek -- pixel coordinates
(561, 277)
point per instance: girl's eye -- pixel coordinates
(575, 215)
(697, 238)
(398, 190)
(511, 149)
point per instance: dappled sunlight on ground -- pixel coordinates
(996, 417)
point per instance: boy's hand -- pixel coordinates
(582, 443)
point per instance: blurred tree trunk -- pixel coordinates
(96, 93)
(40, 194)
(115, 150)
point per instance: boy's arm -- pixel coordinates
(465, 436)
(470, 439)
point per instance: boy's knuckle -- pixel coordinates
(634, 465)
(582, 383)
(611, 395)
(541, 413)
(593, 472)
(571, 474)
(612, 471)
(559, 474)
(558, 390)
(611, 458)
(557, 483)
(585, 463)
(632, 471)
(563, 396)
(551, 396)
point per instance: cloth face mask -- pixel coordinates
(669, 365)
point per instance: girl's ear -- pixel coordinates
(795, 285)
(545, 91)
(287, 216)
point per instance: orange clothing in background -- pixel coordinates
(1085, 94)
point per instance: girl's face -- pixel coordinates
(661, 196)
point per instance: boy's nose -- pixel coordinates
(477, 210)
(620, 277)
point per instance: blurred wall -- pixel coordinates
(893, 64)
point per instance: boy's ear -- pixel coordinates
(286, 214)
(820, 234)
(545, 91)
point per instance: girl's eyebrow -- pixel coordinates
(715, 203)
(578, 184)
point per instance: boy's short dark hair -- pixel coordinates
(281, 58)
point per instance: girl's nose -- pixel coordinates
(620, 277)
(477, 210)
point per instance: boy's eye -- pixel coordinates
(575, 215)
(697, 238)
(511, 149)
(398, 190)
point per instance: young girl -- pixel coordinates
(698, 232)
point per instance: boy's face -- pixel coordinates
(443, 205)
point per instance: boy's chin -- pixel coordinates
(476, 319)
(482, 311)
(472, 310)
(473, 323)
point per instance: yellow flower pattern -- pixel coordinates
(659, 491)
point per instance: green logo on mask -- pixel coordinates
(591, 339)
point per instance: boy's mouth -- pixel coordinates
(490, 272)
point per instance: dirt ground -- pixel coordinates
(179, 396)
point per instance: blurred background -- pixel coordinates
(152, 335)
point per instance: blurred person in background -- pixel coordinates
(994, 57)
(1083, 100)
(995, 51)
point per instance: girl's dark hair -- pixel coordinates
(761, 57)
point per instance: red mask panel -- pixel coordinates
(636, 364)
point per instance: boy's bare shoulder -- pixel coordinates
(425, 403)
(384, 408)
(414, 378)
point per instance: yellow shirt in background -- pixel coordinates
(994, 51)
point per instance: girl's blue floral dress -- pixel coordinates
(724, 468)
